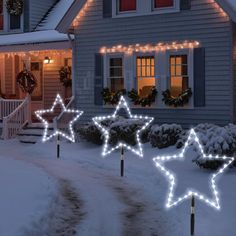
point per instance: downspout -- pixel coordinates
(73, 63)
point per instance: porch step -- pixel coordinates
(33, 133)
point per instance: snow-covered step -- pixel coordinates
(32, 133)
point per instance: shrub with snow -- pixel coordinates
(215, 140)
(120, 130)
(165, 135)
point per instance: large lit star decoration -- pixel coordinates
(105, 130)
(215, 201)
(58, 101)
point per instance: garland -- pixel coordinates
(112, 98)
(15, 7)
(65, 76)
(146, 101)
(26, 80)
(179, 101)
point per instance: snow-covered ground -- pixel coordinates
(94, 200)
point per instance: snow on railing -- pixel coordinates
(61, 121)
(15, 117)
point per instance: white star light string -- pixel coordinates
(215, 202)
(122, 104)
(57, 132)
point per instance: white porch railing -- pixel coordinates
(7, 106)
(61, 121)
(15, 115)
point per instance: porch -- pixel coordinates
(17, 108)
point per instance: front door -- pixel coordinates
(36, 68)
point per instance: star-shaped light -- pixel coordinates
(122, 104)
(58, 101)
(215, 201)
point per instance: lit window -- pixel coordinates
(1, 15)
(163, 3)
(116, 74)
(145, 75)
(178, 74)
(127, 5)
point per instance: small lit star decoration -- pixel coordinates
(215, 201)
(71, 136)
(122, 104)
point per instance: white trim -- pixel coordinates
(143, 8)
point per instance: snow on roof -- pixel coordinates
(54, 17)
(32, 37)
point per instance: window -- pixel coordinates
(163, 3)
(116, 79)
(1, 15)
(145, 75)
(179, 79)
(15, 22)
(127, 5)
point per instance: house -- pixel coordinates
(180, 47)
(29, 40)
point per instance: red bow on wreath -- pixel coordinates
(27, 82)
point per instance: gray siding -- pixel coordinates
(203, 23)
(37, 10)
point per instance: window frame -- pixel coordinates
(107, 82)
(124, 12)
(6, 21)
(189, 52)
(164, 8)
(143, 8)
(136, 55)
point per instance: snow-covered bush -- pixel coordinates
(120, 130)
(215, 140)
(165, 135)
(90, 133)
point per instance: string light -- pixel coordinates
(149, 48)
(122, 104)
(37, 53)
(81, 13)
(215, 202)
(57, 132)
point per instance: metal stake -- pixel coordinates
(122, 162)
(58, 146)
(192, 216)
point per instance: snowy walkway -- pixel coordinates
(99, 203)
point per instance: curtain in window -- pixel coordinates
(164, 3)
(127, 5)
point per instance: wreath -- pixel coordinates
(65, 76)
(179, 101)
(15, 7)
(111, 97)
(26, 80)
(143, 101)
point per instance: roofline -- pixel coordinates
(228, 9)
(68, 18)
(75, 8)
